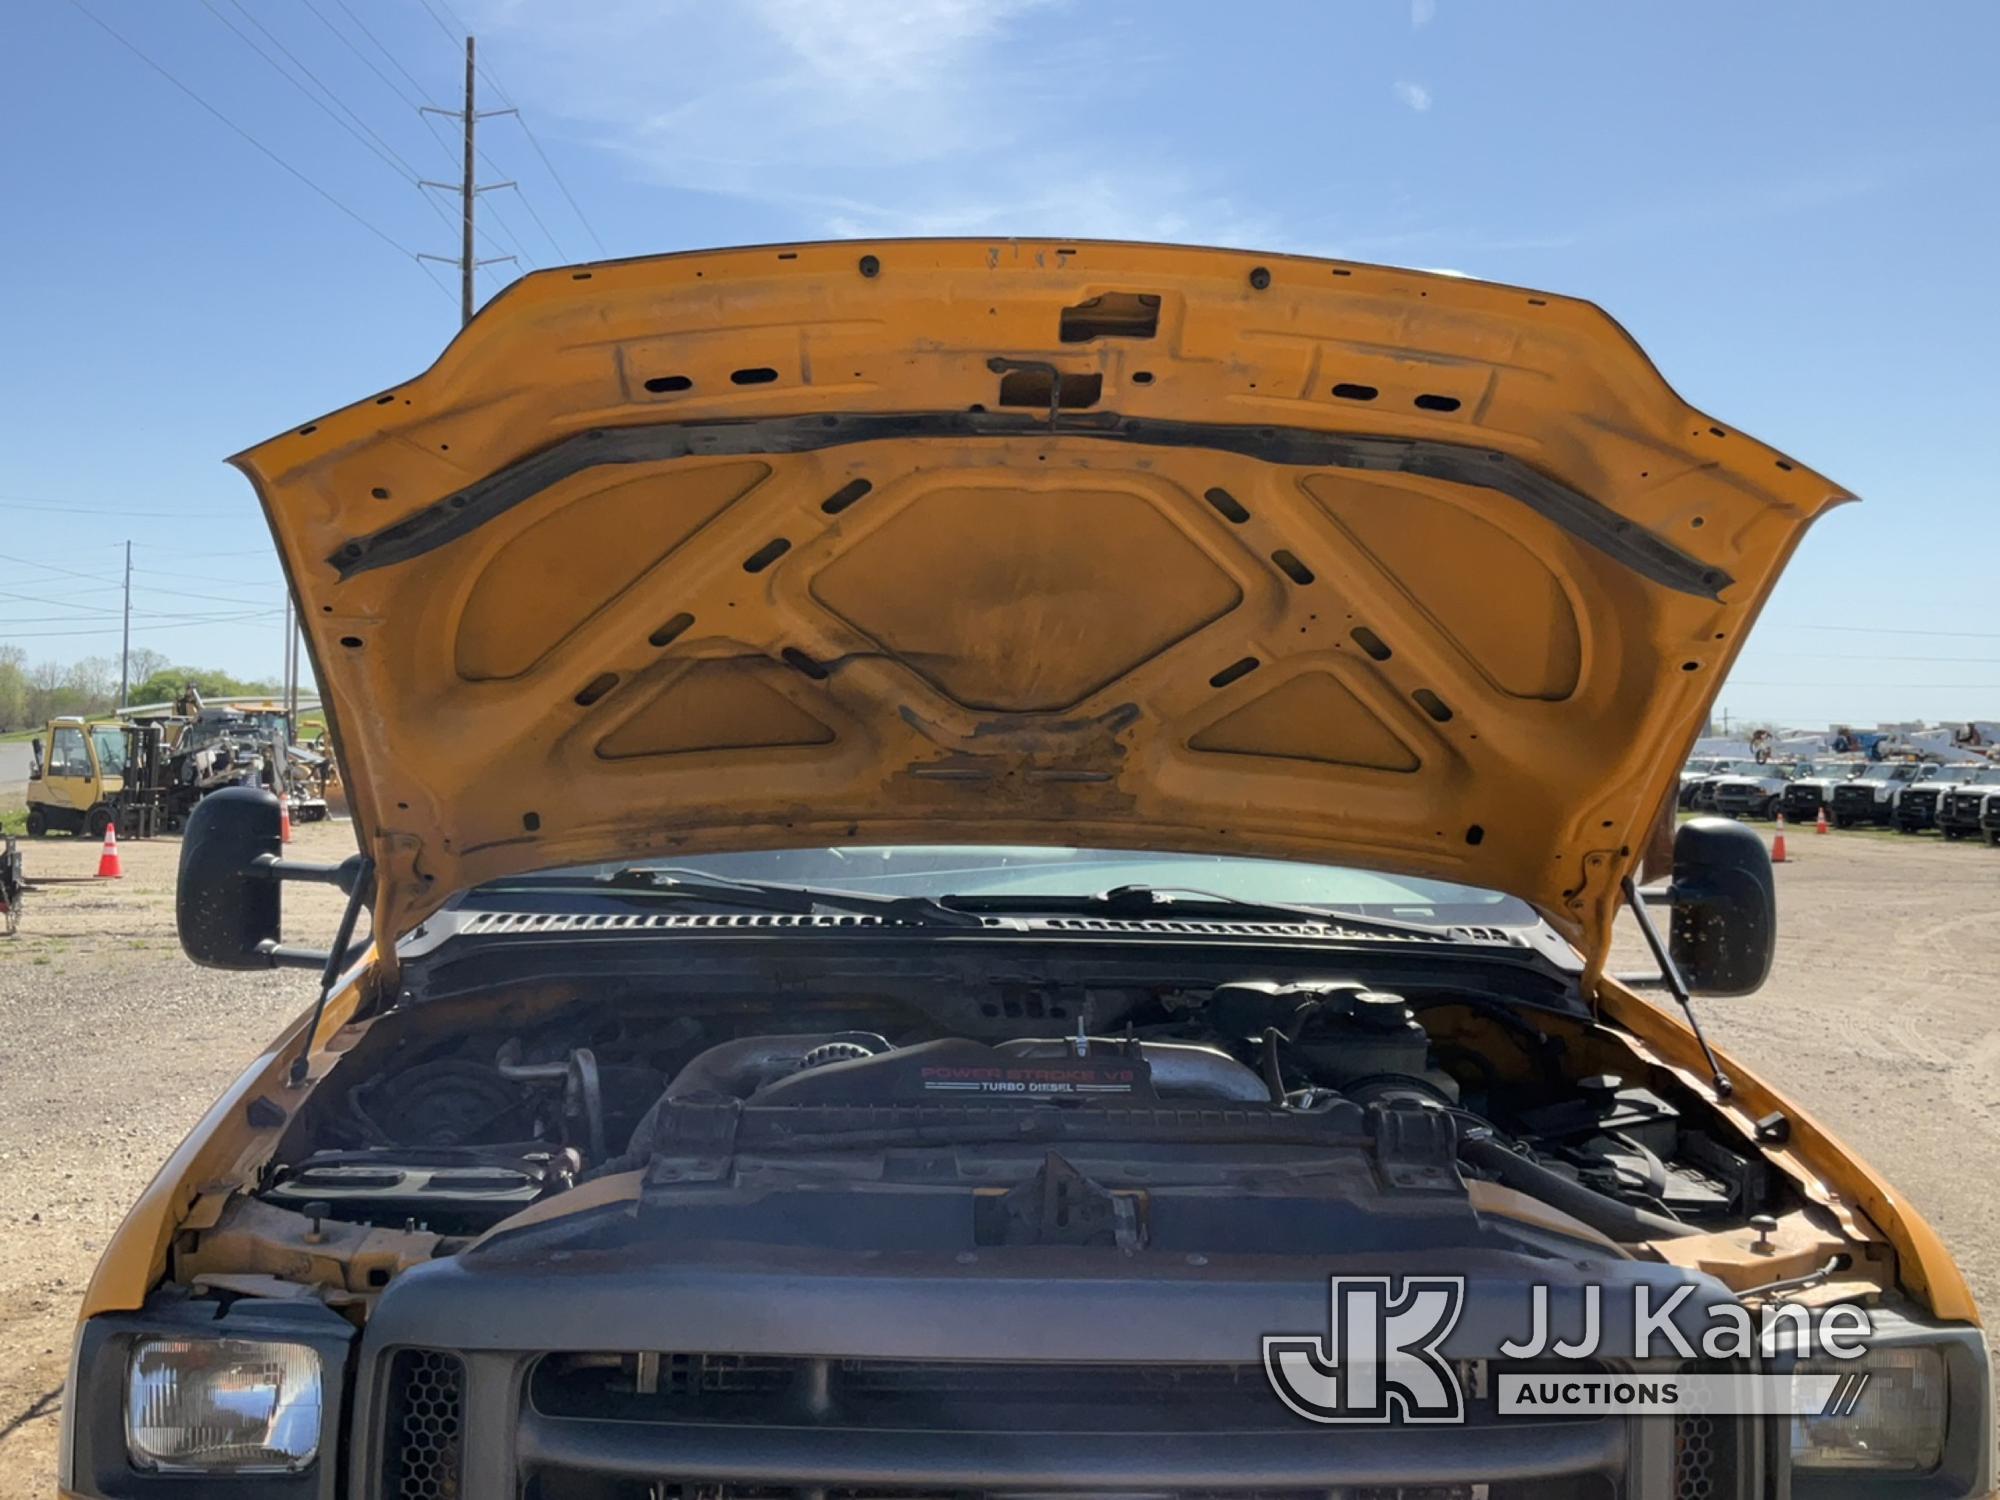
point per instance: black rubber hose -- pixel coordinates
(1609, 1217)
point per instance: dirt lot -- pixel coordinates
(1881, 1019)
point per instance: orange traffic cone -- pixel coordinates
(108, 867)
(284, 822)
(1778, 855)
(1820, 826)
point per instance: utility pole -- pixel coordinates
(125, 645)
(467, 188)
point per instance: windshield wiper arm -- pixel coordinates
(669, 883)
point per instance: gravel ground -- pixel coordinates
(1879, 1019)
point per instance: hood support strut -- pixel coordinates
(1670, 975)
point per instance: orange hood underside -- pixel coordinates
(1016, 542)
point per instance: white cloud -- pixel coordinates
(852, 118)
(1422, 12)
(1415, 95)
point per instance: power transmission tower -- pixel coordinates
(467, 189)
(125, 643)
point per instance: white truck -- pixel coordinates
(1961, 791)
(1752, 793)
(1874, 795)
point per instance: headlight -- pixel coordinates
(1899, 1422)
(230, 1404)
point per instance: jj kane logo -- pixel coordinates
(1379, 1361)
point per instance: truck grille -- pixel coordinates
(1854, 799)
(426, 1425)
(1963, 807)
(934, 1395)
(712, 1426)
(1920, 802)
(1704, 1457)
(1802, 801)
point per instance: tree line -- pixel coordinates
(31, 695)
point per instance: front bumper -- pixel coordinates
(1021, 1373)
(1740, 801)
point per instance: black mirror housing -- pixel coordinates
(226, 904)
(1725, 907)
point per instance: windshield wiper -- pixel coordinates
(668, 883)
(1160, 900)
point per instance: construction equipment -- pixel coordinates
(145, 776)
(76, 777)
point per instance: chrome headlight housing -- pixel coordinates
(212, 1405)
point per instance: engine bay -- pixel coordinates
(446, 1121)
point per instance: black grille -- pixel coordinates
(1705, 1456)
(425, 1425)
(1805, 801)
(1964, 805)
(733, 1388)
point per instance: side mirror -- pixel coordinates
(1725, 907)
(227, 902)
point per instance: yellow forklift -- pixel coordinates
(84, 777)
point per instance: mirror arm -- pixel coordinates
(348, 874)
(357, 894)
(1670, 974)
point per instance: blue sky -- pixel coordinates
(1792, 206)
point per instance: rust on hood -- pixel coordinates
(1017, 542)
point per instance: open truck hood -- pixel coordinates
(1025, 542)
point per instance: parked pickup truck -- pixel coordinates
(1874, 795)
(972, 880)
(1701, 797)
(1751, 794)
(1694, 773)
(1812, 788)
(1960, 796)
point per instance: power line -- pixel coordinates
(249, 583)
(533, 139)
(358, 128)
(265, 551)
(1956, 687)
(8, 503)
(394, 61)
(382, 150)
(1760, 656)
(60, 603)
(1975, 635)
(252, 140)
(28, 562)
(367, 61)
(189, 623)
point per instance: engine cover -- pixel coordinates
(954, 1068)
